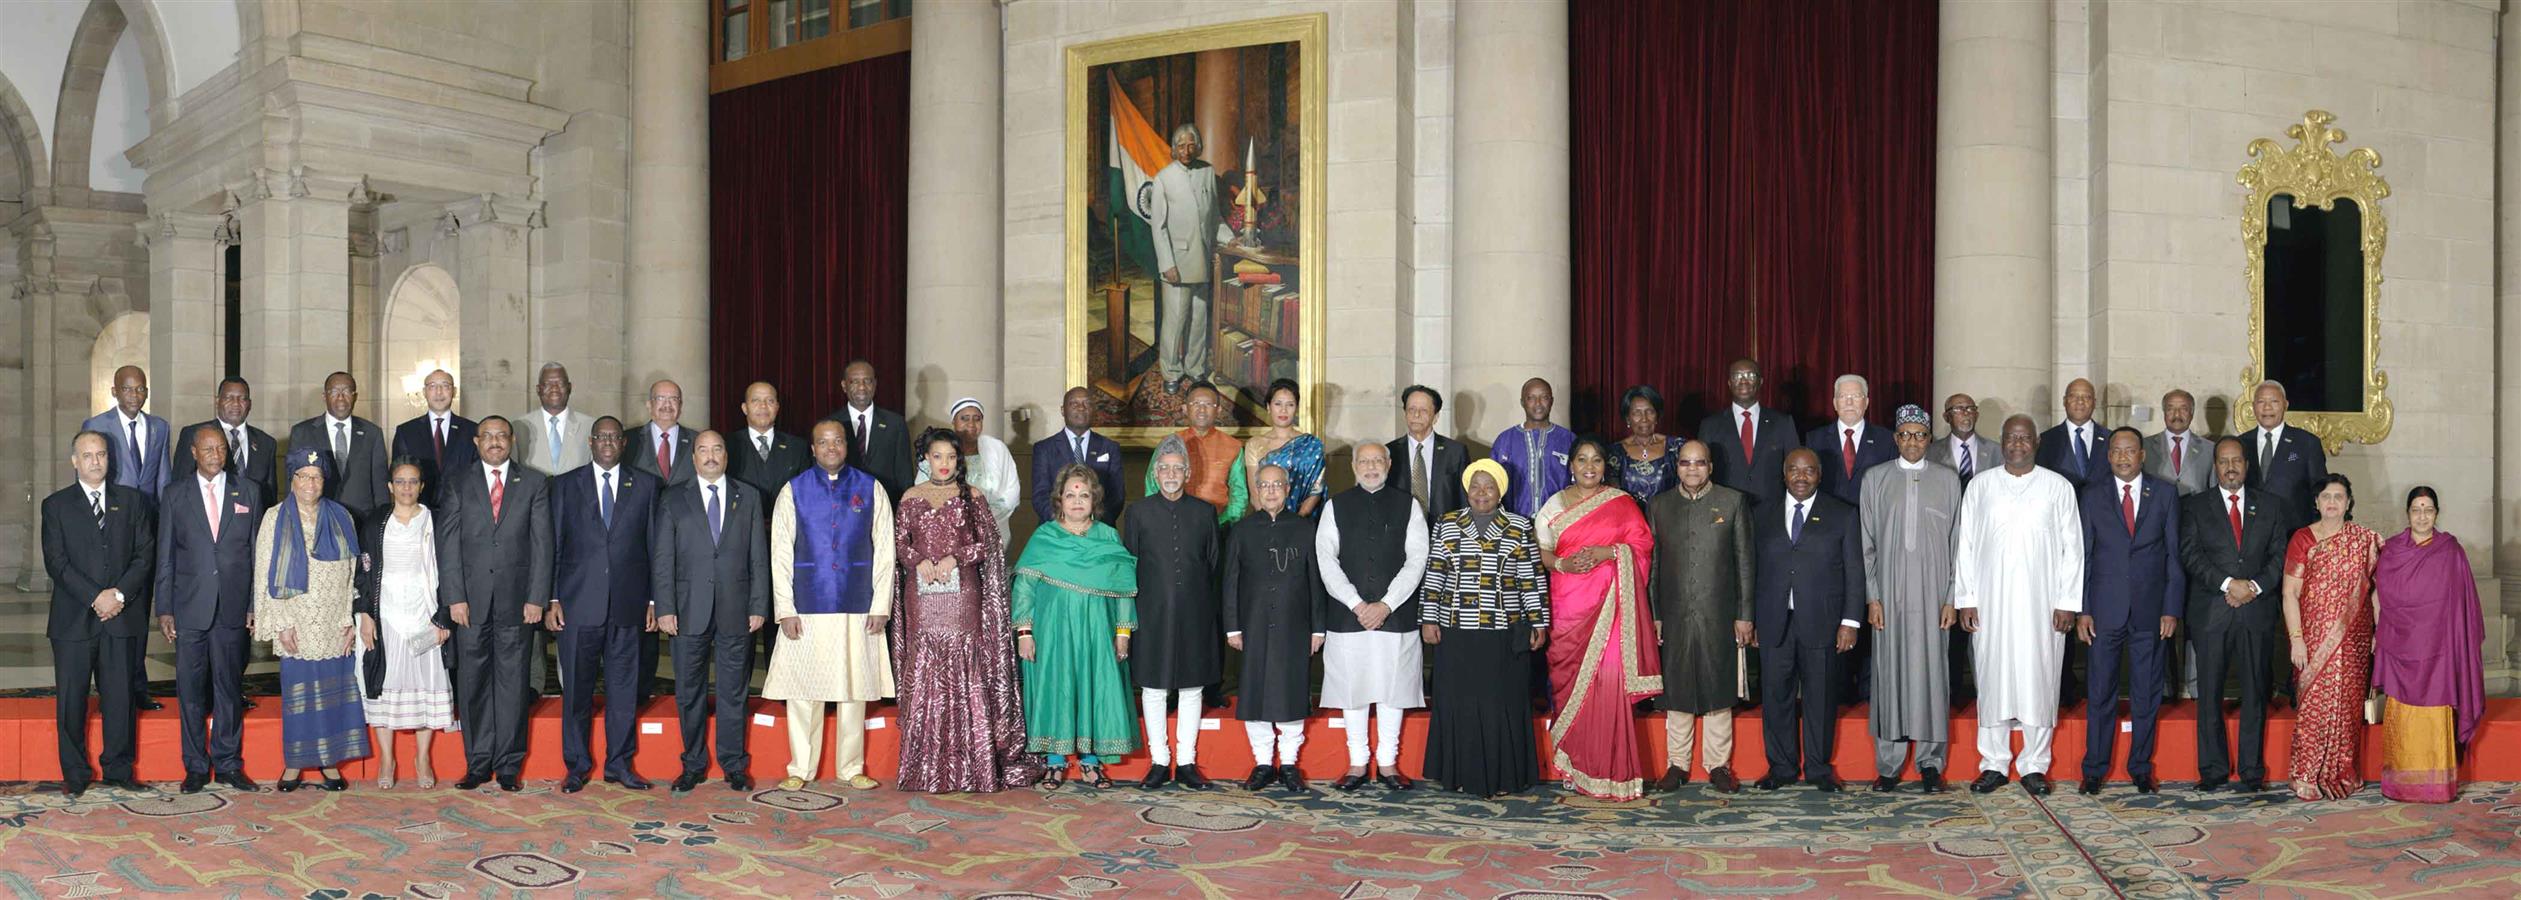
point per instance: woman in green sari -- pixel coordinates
(1074, 609)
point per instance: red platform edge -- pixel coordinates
(27, 726)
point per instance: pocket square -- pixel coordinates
(1102, 457)
(242, 511)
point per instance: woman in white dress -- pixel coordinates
(402, 631)
(987, 466)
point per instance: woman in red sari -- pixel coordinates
(1602, 660)
(2328, 617)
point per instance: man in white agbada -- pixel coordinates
(2017, 581)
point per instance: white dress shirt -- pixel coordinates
(2227, 501)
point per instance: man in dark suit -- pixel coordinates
(251, 450)
(1809, 595)
(767, 459)
(662, 447)
(2234, 553)
(138, 439)
(205, 597)
(1076, 442)
(711, 577)
(358, 446)
(600, 514)
(2133, 591)
(100, 548)
(2074, 447)
(1848, 445)
(1748, 440)
(494, 574)
(879, 443)
(439, 440)
(1427, 463)
(2284, 460)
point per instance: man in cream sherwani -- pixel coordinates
(1182, 211)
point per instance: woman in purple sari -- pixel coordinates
(2425, 657)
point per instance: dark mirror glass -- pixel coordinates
(2313, 310)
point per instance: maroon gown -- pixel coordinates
(954, 655)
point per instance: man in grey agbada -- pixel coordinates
(1909, 510)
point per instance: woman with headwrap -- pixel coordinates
(1487, 610)
(987, 466)
(305, 556)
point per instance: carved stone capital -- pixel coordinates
(395, 241)
(166, 227)
(491, 209)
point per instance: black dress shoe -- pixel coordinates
(1261, 777)
(2036, 783)
(473, 780)
(1988, 782)
(238, 781)
(249, 703)
(1828, 785)
(1291, 778)
(126, 784)
(72, 789)
(740, 783)
(195, 781)
(509, 783)
(1673, 778)
(2250, 786)
(1930, 779)
(629, 781)
(2145, 784)
(148, 704)
(1189, 776)
(1157, 778)
(1722, 779)
(2088, 786)
(1885, 784)
(574, 783)
(1395, 781)
(336, 783)
(1349, 783)
(1772, 782)
(685, 782)
(2211, 784)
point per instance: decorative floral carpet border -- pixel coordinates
(1080, 843)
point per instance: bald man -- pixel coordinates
(439, 440)
(137, 440)
(2078, 447)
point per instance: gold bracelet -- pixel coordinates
(1123, 632)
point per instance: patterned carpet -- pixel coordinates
(1080, 843)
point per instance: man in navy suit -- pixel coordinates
(1848, 446)
(439, 440)
(1748, 441)
(2074, 447)
(599, 606)
(138, 439)
(2283, 460)
(358, 445)
(2133, 591)
(204, 594)
(1076, 443)
(99, 548)
(1810, 594)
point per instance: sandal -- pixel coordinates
(385, 780)
(1052, 779)
(1101, 780)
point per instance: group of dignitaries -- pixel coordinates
(1801, 569)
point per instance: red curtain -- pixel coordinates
(1752, 177)
(808, 204)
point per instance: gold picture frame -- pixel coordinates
(1107, 360)
(2317, 177)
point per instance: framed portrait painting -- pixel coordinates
(1194, 211)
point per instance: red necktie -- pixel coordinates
(2175, 457)
(665, 461)
(1748, 437)
(498, 492)
(1847, 452)
(2127, 506)
(2235, 500)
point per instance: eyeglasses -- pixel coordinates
(1739, 377)
(1967, 409)
(1693, 463)
(1172, 467)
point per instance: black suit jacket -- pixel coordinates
(711, 585)
(260, 450)
(1873, 448)
(85, 556)
(358, 482)
(1446, 460)
(600, 572)
(2210, 556)
(887, 454)
(2300, 461)
(2057, 453)
(498, 567)
(1054, 453)
(2132, 579)
(201, 582)
(413, 441)
(790, 456)
(1763, 477)
(639, 450)
(1824, 572)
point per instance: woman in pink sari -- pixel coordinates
(2328, 617)
(1602, 660)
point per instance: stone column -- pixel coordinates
(669, 204)
(294, 285)
(1995, 229)
(2500, 595)
(954, 345)
(47, 464)
(493, 276)
(381, 397)
(1510, 247)
(185, 358)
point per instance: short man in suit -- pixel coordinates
(2187, 459)
(2074, 447)
(879, 444)
(2234, 553)
(494, 576)
(251, 450)
(1962, 449)
(2133, 594)
(2283, 460)
(1749, 441)
(711, 577)
(1429, 464)
(551, 438)
(1076, 442)
(138, 439)
(358, 446)
(100, 549)
(1848, 446)
(205, 600)
(663, 447)
(1182, 210)
(1809, 594)
(600, 604)
(439, 440)
(766, 458)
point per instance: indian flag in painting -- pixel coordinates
(1138, 151)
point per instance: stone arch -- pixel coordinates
(25, 176)
(124, 341)
(422, 330)
(156, 57)
(82, 79)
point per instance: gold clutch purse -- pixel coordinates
(2372, 706)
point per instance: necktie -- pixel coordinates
(1847, 452)
(236, 449)
(133, 428)
(555, 441)
(2176, 462)
(1749, 436)
(437, 437)
(2127, 506)
(210, 507)
(862, 434)
(341, 443)
(498, 492)
(1077, 445)
(1969, 463)
(2266, 450)
(2083, 453)
(604, 501)
(1794, 525)
(1418, 476)
(714, 510)
(2235, 499)
(763, 443)
(665, 453)
(96, 507)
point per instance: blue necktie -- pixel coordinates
(604, 501)
(134, 427)
(1794, 526)
(2083, 454)
(713, 514)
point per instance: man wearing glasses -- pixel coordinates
(358, 446)
(1702, 616)
(1747, 440)
(1909, 509)
(1214, 475)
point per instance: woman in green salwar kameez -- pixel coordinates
(1074, 609)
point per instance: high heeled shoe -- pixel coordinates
(289, 784)
(335, 782)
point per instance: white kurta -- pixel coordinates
(991, 471)
(833, 658)
(2020, 557)
(1368, 667)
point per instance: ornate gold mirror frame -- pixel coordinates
(2316, 176)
